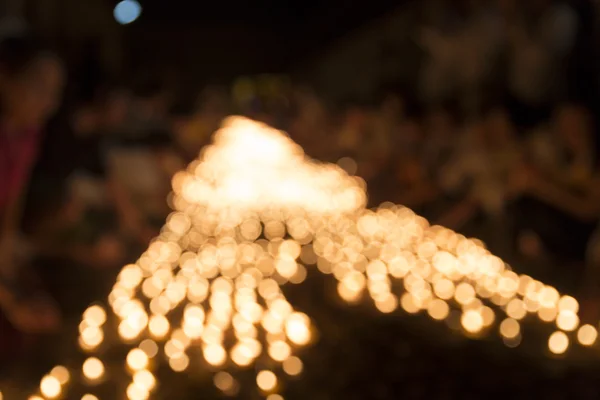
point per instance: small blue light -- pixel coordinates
(127, 11)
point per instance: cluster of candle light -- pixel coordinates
(250, 215)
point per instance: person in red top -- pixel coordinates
(31, 84)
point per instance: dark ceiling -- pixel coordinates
(225, 38)
(308, 19)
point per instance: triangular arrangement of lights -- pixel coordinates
(251, 215)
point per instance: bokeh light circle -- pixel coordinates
(127, 11)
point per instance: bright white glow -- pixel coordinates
(253, 167)
(127, 11)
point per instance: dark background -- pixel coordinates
(349, 52)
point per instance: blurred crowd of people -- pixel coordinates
(511, 161)
(529, 193)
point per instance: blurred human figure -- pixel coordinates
(423, 150)
(413, 187)
(147, 112)
(352, 130)
(541, 35)
(31, 82)
(462, 45)
(503, 154)
(563, 223)
(564, 151)
(559, 192)
(442, 138)
(139, 185)
(193, 128)
(359, 138)
(387, 123)
(311, 124)
(85, 226)
(482, 169)
(130, 122)
(397, 151)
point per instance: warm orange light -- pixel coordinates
(224, 381)
(510, 328)
(587, 335)
(558, 342)
(50, 387)
(293, 366)
(93, 368)
(266, 380)
(137, 359)
(60, 373)
(254, 213)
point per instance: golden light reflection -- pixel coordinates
(215, 355)
(438, 309)
(567, 320)
(253, 214)
(159, 326)
(179, 363)
(95, 316)
(297, 328)
(144, 379)
(510, 328)
(558, 342)
(149, 347)
(136, 392)
(93, 369)
(50, 387)
(61, 374)
(587, 335)
(568, 303)
(266, 380)
(224, 381)
(293, 366)
(472, 321)
(137, 359)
